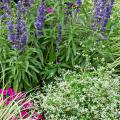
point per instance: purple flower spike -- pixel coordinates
(102, 12)
(19, 9)
(4, 16)
(11, 35)
(18, 38)
(24, 35)
(5, 9)
(39, 24)
(21, 34)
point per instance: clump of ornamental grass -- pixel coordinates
(16, 106)
(81, 96)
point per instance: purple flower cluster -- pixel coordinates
(40, 19)
(4, 6)
(26, 4)
(18, 38)
(4, 16)
(102, 12)
(79, 2)
(5, 1)
(68, 11)
(11, 35)
(68, 8)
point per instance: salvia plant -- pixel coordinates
(40, 32)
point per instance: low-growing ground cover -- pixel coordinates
(69, 51)
(81, 96)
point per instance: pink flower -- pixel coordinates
(11, 92)
(4, 92)
(40, 117)
(27, 104)
(9, 100)
(49, 9)
(24, 114)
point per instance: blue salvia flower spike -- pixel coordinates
(102, 12)
(40, 19)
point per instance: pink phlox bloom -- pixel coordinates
(4, 92)
(11, 92)
(24, 114)
(40, 117)
(49, 9)
(9, 100)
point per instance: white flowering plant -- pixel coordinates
(81, 96)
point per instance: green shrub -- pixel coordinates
(81, 96)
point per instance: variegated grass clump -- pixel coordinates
(12, 110)
(16, 106)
